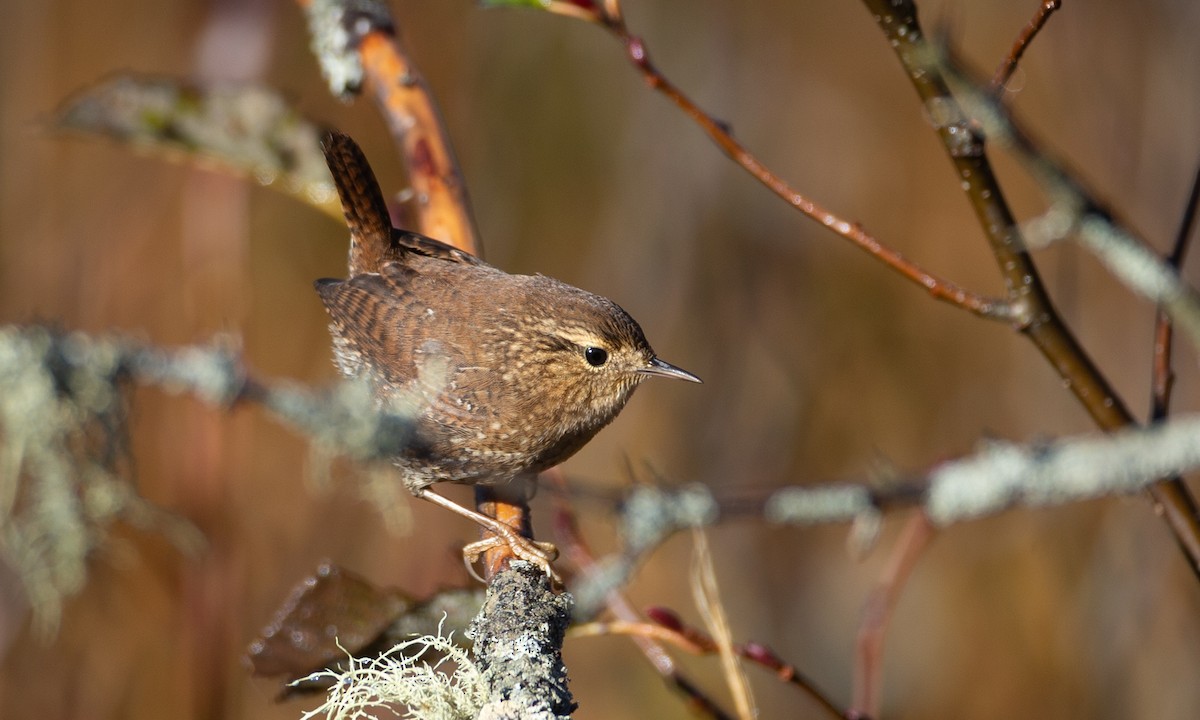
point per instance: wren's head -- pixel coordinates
(584, 353)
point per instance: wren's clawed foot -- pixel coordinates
(537, 553)
(540, 554)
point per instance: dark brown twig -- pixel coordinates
(1184, 234)
(1021, 44)
(1037, 318)
(1163, 376)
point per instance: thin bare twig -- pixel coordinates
(646, 630)
(1163, 376)
(692, 641)
(754, 652)
(877, 614)
(1021, 44)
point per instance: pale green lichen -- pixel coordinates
(403, 683)
(64, 465)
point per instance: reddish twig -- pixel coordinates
(698, 642)
(877, 615)
(1021, 44)
(667, 627)
(609, 17)
(645, 630)
(1163, 377)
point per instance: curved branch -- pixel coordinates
(1021, 44)
(610, 18)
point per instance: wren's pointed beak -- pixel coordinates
(665, 369)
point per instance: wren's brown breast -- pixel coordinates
(506, 374)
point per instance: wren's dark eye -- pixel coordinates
(595, 356)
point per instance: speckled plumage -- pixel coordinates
(497, 366)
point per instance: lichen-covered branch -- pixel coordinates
(65, 470)
(1002, 475)
(247, 130)
(515, 673)
(518, 647)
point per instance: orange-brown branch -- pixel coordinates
(443, 210)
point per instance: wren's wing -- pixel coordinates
(370, 318)
(382, 333)
(362, 201)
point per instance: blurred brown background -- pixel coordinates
(818, 363)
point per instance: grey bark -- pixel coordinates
(518, 646)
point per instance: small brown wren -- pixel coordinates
(512, 374)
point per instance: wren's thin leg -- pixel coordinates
(540, 554)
